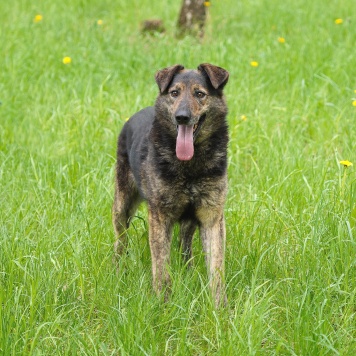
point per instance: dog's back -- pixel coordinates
(133, 141)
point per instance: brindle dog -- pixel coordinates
(174, 155)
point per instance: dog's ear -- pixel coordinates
(164, 76)
(217, 75)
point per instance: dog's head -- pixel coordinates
(192, 101)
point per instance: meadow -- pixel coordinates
(291, 207)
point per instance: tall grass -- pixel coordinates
(291, 209)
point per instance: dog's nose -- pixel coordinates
(182, 120)
(182, 117)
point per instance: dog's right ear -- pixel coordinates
(164, 76)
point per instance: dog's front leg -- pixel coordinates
(160, 230)
(213, 235)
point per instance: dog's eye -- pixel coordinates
(200, 94)
(174, 93)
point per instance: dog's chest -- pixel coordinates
(193, 195)
(193, 192)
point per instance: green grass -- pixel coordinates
(291, 208)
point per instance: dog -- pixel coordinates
(174, 156)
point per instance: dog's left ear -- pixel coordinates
(217, 75)
(164, 77)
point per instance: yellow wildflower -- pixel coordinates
(207, 3)
(354, 103)
(127, 119)
(99, 22)
(67, 60)
(281, 40)
(346, 163)
(339, 21)
(254, 64)
(38, 18)
(243, 117)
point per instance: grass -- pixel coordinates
(291, 209)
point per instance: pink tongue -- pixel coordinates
(184, 145)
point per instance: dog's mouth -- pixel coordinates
(197, 126)
(185, 139)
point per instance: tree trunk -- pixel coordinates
(192, 17)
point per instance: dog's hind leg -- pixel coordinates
(122, 211)
(126, 200)
(187, 229)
